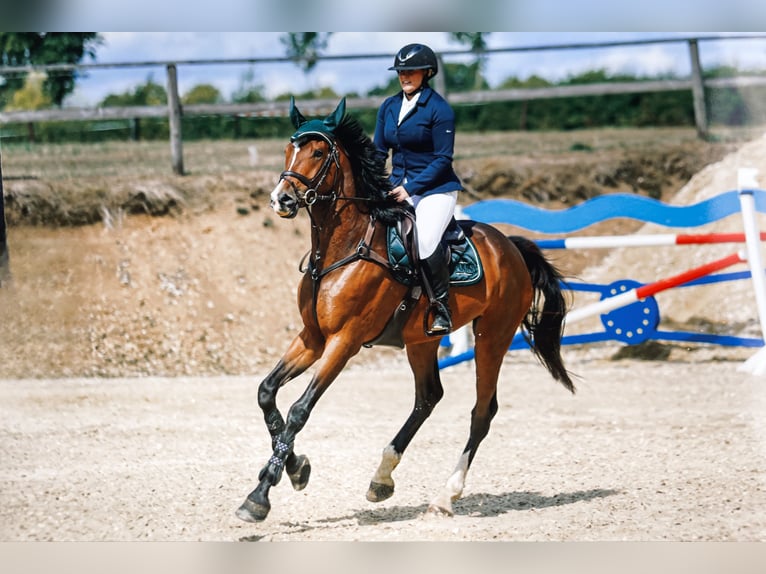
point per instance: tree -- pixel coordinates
(463, 78)
(202, 94)
(32, 96)
(150, 93)
(249, 91)
(304, 47)
(478, 44)
(40, 48)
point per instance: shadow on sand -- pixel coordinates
(475, 505)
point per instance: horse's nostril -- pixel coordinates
(287, 200)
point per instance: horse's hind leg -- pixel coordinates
(489, 354)
(428, 392)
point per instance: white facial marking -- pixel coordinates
(275, 195)
(279, 187)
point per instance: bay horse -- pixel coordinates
(347, 296)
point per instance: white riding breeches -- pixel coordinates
(432, 216)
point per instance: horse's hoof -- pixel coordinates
(252, 511)
(300, 472)
(379, 492)
(439, 511)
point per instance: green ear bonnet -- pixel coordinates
(323, 128)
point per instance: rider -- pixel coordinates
(418, 126)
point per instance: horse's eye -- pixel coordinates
(318, 153)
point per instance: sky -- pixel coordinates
(362, 75)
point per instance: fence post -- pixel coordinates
(174, 109)
(698, 91)
(5, 266)
(441, 79)
(135, 129)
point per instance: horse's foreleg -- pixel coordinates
(299, 356)
(256, 507)
(297, 466)
(302, 353)
(428, 392)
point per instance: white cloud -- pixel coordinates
(649, 60)
(362, 75)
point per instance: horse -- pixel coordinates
(347, 296)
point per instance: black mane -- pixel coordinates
(369, 168)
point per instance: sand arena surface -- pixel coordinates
(669, 450)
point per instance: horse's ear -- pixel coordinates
(296, 117)
(333, 120)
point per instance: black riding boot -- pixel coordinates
(436, 271)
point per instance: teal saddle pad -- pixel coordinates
(465, 265)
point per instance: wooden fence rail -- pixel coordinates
(174, 111)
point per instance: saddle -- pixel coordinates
(464, 265)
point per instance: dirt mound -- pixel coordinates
(583, 176)
(129, 273)
(722, 305)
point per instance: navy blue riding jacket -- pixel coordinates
(422, 146)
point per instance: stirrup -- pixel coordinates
(440, 315)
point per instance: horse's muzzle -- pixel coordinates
(285, 205)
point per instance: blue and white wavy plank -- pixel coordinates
(604, 207)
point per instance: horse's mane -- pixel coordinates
(369, 168)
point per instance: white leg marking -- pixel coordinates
(387, 465)
(452, 490)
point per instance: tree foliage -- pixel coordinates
(477, 42)
(202, 94)
(39, 48)
(248, 92)
(150, 93)
(305, 47)
(31, 96)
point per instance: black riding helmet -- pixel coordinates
(416, 57)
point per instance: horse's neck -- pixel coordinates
(348, 226)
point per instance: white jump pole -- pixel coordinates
(746, 183)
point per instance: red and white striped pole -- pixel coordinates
(645, 291)
(654, 240)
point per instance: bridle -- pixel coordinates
(311, 195)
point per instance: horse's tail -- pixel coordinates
(544, 327)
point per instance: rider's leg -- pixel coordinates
(433, 214)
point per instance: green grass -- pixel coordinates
(212, 157)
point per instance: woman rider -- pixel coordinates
(418, 126)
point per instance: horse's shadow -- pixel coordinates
(475, 505)
(483, 505)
